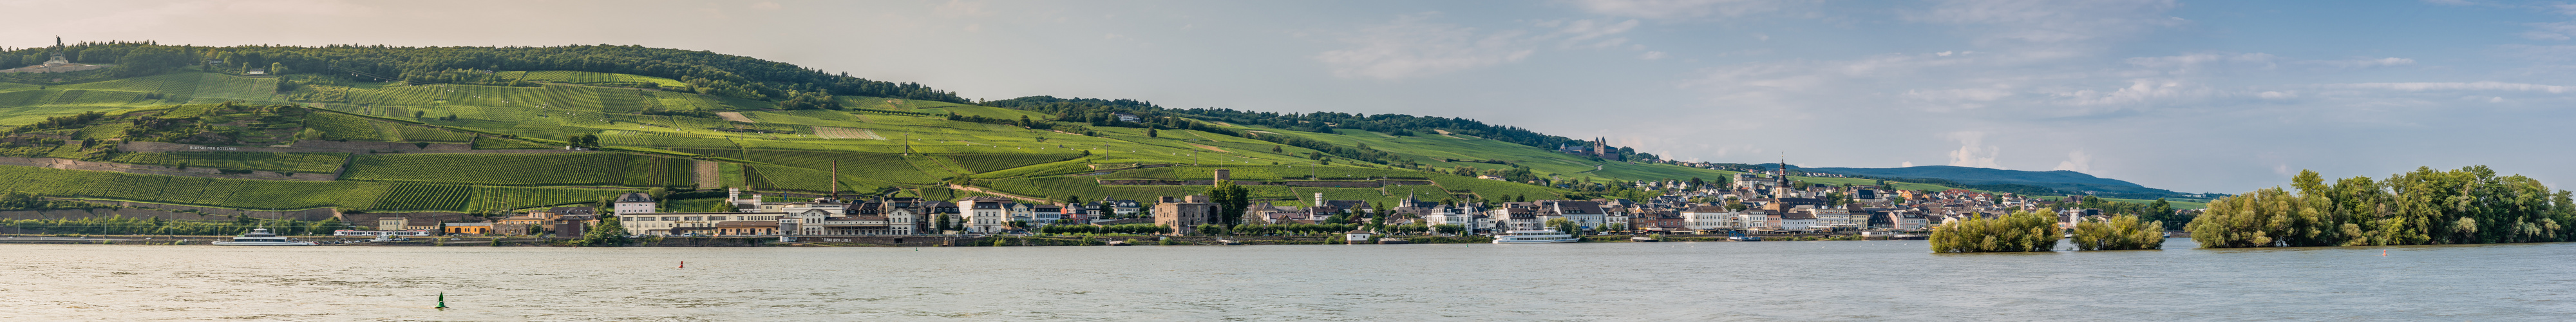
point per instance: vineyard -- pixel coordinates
(535, 169)
(878, 166)
(780, 178)
(485, 143)
(336, 126)
(262, 161)
(980, 163)
(229, 193)
(423, 197)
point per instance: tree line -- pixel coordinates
(2471, 205)
(1101, 112)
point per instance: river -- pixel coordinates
(1825, 280)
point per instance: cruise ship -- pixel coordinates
(1533, 237)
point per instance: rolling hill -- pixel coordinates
(480, 129)
(2069, 182)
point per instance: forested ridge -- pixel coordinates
(1100, 112)
(705, 72)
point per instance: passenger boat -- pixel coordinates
(261, 237)
(1533, 237)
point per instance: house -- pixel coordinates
(1125, 117)
(1183, 214)
(1125, 207)
(983, 214)
(1587, 214)
(1832, 218)
(1709, 218)
(1517, 216)
(734, 228)
(634, 203)
(1797, 220)
(1756, 219)
(466, 228)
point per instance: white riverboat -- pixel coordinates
(261, 237)
(1533, 237)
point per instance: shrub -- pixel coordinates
(2021, 231)
(2119, 233)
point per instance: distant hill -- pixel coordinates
(2069, 182)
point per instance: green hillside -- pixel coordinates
(434, 139)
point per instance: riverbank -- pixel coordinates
(873, 241)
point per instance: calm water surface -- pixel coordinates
(1835, 280)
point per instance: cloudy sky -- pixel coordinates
(2196, 96)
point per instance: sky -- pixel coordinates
(2193, 96)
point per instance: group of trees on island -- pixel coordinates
(2038, 231)
(2471, 205)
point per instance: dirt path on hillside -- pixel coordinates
(1012, 196)
(736, 117)
(67, 164)
(1204, 146)
(709, 175)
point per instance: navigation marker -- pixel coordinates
(442, 301)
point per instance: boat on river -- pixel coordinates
(261, 237)
(1533, 237)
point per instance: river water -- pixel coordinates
(1825, 280)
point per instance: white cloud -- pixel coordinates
(2194, 63)
(1651, 55)
(2077, 161)
(2034, 21)
(1973, 152)
(2140, 91)
(2551, 30)
(1411, 46)
(2472, 86)
(1586, 29)
(1677, 9)
(2364, 62)
(1906, 164)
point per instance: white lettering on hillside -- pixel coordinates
(218, 148)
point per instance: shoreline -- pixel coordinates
(875, 241)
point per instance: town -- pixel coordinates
(1760, 203)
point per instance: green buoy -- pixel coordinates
(442, 301)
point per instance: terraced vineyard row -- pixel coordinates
(544, 169)
(263, 161)
(878, 166)
(423, 197)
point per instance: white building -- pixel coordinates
(634, 203)
(1710, 217)
(984, 215)
(662, 224)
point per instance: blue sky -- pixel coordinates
(2198, 96)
